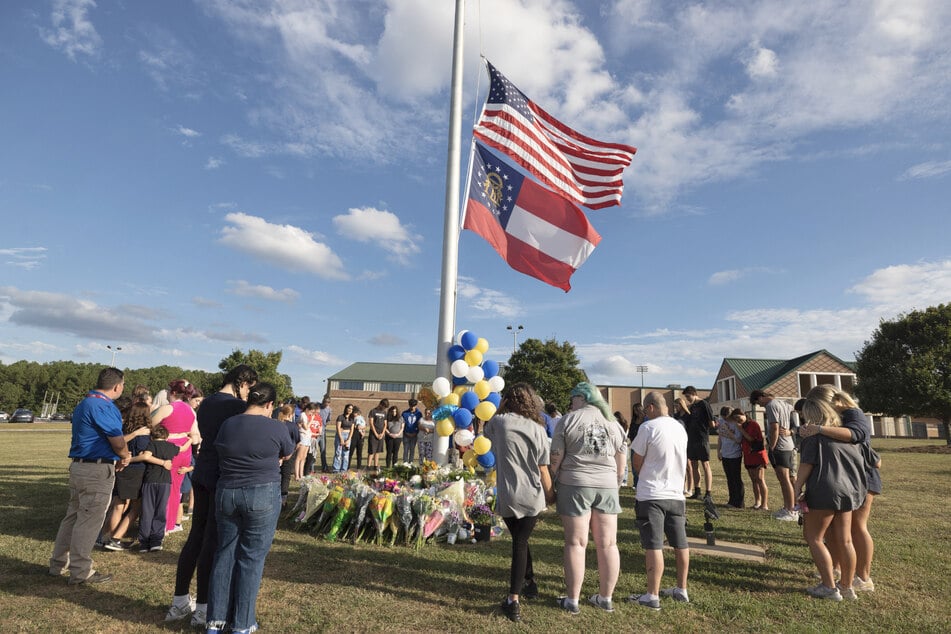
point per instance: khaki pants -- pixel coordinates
(90, 490)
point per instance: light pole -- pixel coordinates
(515, 330)
(115, 351)
(642, 369)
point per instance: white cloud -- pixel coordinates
(285, 246)
(907, 286)
(73, 32)
(386, 339)
(242, 288)
(929, 169)
(312, 357)
(731, 275)
(205, 302)
(382, 228)
(214, 163)
(763, 63)
(24, 257)
(481, 302)
(188, 133)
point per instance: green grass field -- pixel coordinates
(314, 586)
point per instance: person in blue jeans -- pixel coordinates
(250, 449)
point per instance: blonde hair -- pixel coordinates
(285, 413)
(817, 412)
(834, 397)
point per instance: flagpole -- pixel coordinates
(450, 240)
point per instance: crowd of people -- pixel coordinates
(233, 458)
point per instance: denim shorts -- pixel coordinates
(574, 501)
(656, 518)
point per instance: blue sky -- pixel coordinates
(182, 179)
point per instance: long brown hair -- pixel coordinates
(521, 399)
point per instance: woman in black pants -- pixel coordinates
(394, 435)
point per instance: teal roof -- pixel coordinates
(387, 372)
(758, 374)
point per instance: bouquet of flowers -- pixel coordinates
(313, 491)
(345, 511)
(404, 509)
(481, 515)
(362, 495)
(381, 510)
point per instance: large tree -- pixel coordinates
(550, 367)
(265, 364)
(906, 366)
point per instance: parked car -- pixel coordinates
(58, 416)
(4, 417)
(22, 416)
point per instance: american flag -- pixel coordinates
(578, 167)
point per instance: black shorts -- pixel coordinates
(781, 458)
(656, 518)
(129, 483)
(698, 449)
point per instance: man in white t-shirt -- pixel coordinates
(660, 460)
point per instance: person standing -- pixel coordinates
(319, 438)
(427, 431)
(356, 440)
(98, 449)
(411, 418)
(660, 457)
(588, 457)
(179, 419)
(199, 549)
(699, 423)
(524, 488)
(781, 447)
(730, 451)
(342, 439)
(377, 434)
(250, 449)
(394, 435)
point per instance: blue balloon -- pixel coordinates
(490, 367)
(463, 418)
(469, 400)
(459, 380)
(469, 340)
(456, 352)
(494, 398)
(487, 460)
(444, 411)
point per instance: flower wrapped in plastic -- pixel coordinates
(362, 521)
(404, 512)
(344, 513)
(422, 507)
(315, 491)
(328, 509)
(381, 510)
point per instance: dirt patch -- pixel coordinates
(927, 449)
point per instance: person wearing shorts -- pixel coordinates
(589, 456)
(699, 423)
(781, 447)
(660, 458)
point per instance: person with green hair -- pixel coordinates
(588, 459)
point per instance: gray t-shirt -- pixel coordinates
(520, 446)
(778, 411)
(838, 479)
(588, 443)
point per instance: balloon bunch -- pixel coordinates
(472, 393)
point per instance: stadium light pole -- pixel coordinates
(115, 351)
(642, 369)
(515, 330)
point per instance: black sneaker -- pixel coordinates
(529, 590)
(696, 495)
(114, 544)
(512, 611)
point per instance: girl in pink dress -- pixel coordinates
(179, 419)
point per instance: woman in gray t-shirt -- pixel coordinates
(523, 483)
(588, 458)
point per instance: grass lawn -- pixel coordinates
(314, 586)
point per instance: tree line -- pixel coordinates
(64, 383)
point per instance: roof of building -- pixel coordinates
(757, 374)
(387, 372)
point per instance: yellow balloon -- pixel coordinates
(471, 470)
(473, 357)
(470, 458)
(451, 399)
(445, 427)
(482, 445)
(490, 478)
(459, 390)
(482, 345)
(482, 389)
(485, 410)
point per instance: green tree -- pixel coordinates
(265, 364)
(550, 367)
(906, 367)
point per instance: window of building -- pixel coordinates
(726, 389)
(351, 385)
(393, 387)
(808, 380)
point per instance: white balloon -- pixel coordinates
(475, 374)
(496, 383)
(459, 336)
(459, 368)
(463, 438)
(442, 387)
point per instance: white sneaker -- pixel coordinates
(861, 585)
(200, 615)
(821, 591)
(784, 515)
(179, 609)
(847, 593)
(677, 594)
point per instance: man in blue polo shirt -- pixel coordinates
(98, 450)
